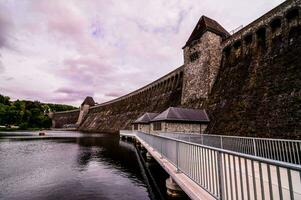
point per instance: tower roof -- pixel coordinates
(89, 101)
(183, 115)
(145, 118)
(206, 24)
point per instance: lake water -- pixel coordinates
(72, 165)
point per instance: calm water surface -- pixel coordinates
(69, 165)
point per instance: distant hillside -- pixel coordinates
(27, 114)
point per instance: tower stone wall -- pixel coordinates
(201, 64)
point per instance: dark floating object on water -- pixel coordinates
(42, 133)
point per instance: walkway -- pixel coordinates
(206, 172)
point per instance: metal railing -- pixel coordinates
(229, 175)
(275, 149)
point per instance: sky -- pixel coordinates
(61, 51)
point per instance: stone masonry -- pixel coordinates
(249, 82)
(199, 75)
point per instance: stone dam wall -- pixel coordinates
(119, 113)
(59, 119)
(255, 92)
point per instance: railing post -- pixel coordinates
(221, 142)
(220, 175)
(254, 144)
(161, 148)
(177, 157)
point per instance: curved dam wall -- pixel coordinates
(119, 113)
(59, 119)
(257, 90)
(249, 83)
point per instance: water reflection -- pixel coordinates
(66, 166)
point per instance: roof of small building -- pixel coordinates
(182, 115)
(89, 101)
(145, 118)
(206, 24)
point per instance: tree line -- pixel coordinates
(27, 114)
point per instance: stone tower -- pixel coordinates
(202, 58)
(84, 109)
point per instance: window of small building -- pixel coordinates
(194, 56)
(157, 126)
(135, 126)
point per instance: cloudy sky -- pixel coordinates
(62, 51)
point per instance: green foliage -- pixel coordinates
(27, 114)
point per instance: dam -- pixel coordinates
(248, 82)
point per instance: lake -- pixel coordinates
(74, 165)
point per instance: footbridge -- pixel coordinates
(235, 168)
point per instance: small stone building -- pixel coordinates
(143, 123)
(183, 120)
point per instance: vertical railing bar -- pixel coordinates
(246, 146)
(241, 180)
(251, 147)
(260, 147)
(201, 166)
(283, 151)
(225, 172)
(217, 183)
(235, 177)
(194, 162)
(230, 176)
(290, 152)
(264, 148)
(273, 150)
(184, 163)
(261, 181)
(198, 165)
(270, 150)
(208, 169)
(278, 150)
(297, 154)
(254, 180)
(294, 152)
(286, 151)
(220, 175)
(255, 149)
(279, 183)
(189, 160)
(212, 172)
(290, 184)
(206, 174)
(267, 149)
(177, 157)
(270, 182)
(247, 178)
